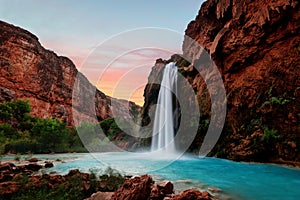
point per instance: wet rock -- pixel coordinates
(166, 187)
(156, 194)
(48, 164)
(33, 160)
(33, 167)
(7, 167)
(19, 169)
(73, 172)
(192, 195)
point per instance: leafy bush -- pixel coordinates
(280, 100)
(7, 131)
(51, 135)
(14, 110)
(21, 132)
(20, 108)
(270, 135)
(22, 146)
(5, 112)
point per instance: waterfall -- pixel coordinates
(163, 128)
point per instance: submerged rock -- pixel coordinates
(215, 190)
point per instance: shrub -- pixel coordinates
(270, 135)
(106, 124)
(5, 112)
(51, 135)
(22, 146)
(8, 131)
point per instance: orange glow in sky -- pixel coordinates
(126, 76)
(75, 29)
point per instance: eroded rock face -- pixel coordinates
(30, 72)
(256, 47)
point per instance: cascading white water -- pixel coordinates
(163, 129)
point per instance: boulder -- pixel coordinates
(6, 167)
(156, 194)
(33, 167)
(192, 195)
(166, 187)
(73, 172)
(137, 188)
(48, 164)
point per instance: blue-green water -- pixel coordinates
(237, 180)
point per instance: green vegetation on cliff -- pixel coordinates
(21, 133)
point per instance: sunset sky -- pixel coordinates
(114, 43)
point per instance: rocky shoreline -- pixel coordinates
(25, 179)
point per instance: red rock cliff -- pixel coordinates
(256, 47)
(30, 72)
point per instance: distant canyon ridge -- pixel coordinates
(30, 72)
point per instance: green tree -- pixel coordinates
(20, 108)
(14, 112)
(5, 112)
(8, 131)
(28, 122)
(75, 141)
(51, 135)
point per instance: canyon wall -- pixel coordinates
(256, 48)
(30, 72)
